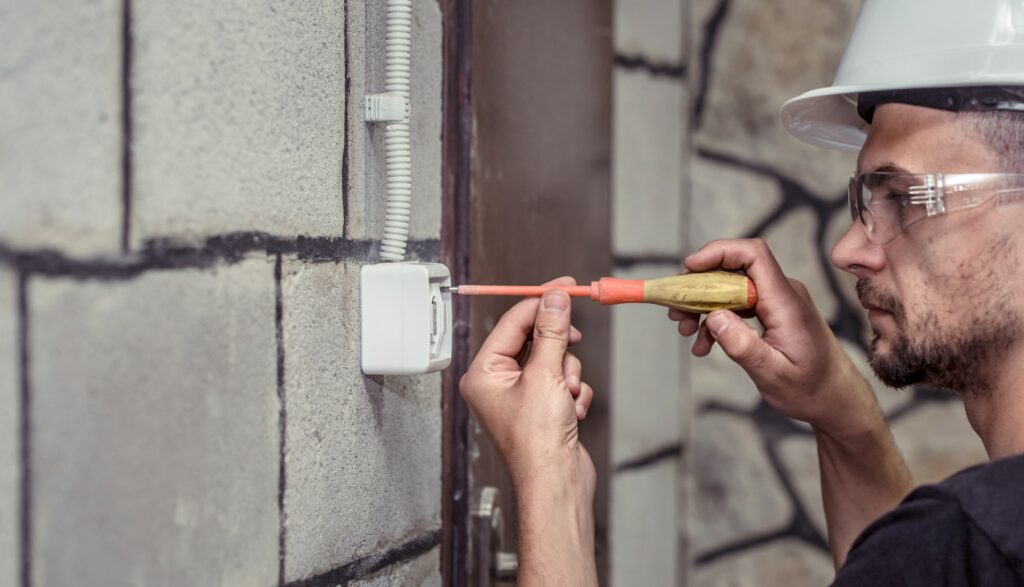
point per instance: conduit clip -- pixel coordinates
(387, 107)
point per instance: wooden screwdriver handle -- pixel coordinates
(702, 292)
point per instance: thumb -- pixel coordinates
(551, 331)
(739, 341)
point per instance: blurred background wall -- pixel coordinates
(185, 206)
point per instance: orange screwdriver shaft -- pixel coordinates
(693, 292)
(576, 291)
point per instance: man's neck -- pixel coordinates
(997, 414)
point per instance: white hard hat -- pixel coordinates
(901, 45)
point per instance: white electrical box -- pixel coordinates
(406, 318)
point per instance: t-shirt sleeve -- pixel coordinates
(924, 541)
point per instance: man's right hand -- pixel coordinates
(800, 370)
(797, 364)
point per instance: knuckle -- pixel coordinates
(468, 384)
(742, 349)
(550, 329)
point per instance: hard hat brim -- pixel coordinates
(827, 117)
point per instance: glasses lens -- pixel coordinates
(883, 204)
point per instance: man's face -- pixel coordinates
(941, 297)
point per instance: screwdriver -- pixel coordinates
(692, 292)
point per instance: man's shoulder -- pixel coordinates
(968, 526)
(991, 496)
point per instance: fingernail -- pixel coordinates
(581, 412)
(555, 302)
(717, 323)
(573, 381)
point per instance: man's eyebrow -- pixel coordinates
(888, 167)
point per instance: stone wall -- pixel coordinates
(754, 513)
(189, 192)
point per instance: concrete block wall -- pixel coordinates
(648, 396)
(192, 192)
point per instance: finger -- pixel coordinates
(740, 342)
(584, 400)
(704, 341)
(675, 315)
(572, 370)
(575, 336)
(753, 257)
(510, 334)
(688, 324)
(551, 331)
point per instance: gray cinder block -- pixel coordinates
(155, 428)
(647, 164)
(60, 133)
(239, 118)
(363, 454)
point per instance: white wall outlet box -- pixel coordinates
(406, 318)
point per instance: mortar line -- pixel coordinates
(282, 420)
(169, 254)
(670, 452)
(126, 124)
(345, 123)
(654, 68)
(740, 545)
(373, 563)
(24, 435)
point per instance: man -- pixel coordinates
(936, 248)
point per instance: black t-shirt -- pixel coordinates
(967, 530)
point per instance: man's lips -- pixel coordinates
(872, 307)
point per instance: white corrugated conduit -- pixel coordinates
(397, 138)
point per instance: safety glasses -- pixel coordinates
(889, 203)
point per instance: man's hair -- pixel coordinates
(1002, 132)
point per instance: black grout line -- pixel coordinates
(126, 124)
(655, 68)
(25, 435)
(630, 261)
(711, 32)
(282, 419)
(347, 112)
(368, 565)
(733, 161)
(740, 545)
(669, 452)
(226, 248)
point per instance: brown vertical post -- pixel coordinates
(457, 142)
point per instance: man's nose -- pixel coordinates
(856, 254)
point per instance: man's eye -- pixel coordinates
(896, 198)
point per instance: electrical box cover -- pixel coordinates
(406, 318)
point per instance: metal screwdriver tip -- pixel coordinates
(449, 289)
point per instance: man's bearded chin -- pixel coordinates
(956, 359)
